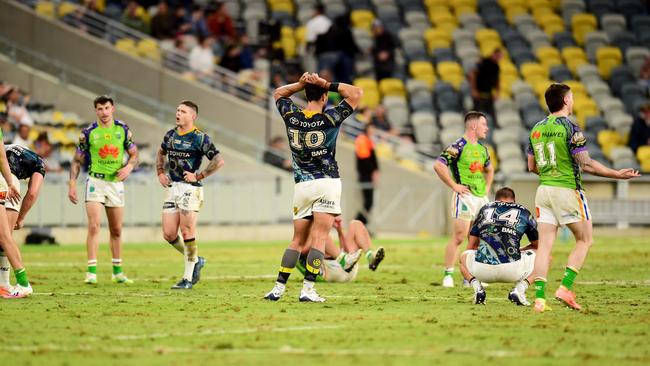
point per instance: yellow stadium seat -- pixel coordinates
(608, 58)
(540, 86)
(643, 153)
(57, 117)
(384, 150)
(367, 84)
(549, 56)
(437, 38)
(461, 10)
(551, 23)
(148, 48)
(423, 70)
(514, 11)
(582, 23)
(507, 68)
(362, 19)
(300, 35)
(127, 45)
(577, 88)
(461, 3)
(533, 71)
(392, 86)
(542, 13)
(538, 4)
(452, 72)
(574, 57)
(645, 166)
(444, 20)
(505, 85)
(505, 4)
(436, 3)
(485, 35)
(66, 8)
(45, 8)
(608, 137)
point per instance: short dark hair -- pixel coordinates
(320, 8)
(554, 96)
(103, 99)
(314, 92)
(471, 115)
(189, 103)
(505, 193)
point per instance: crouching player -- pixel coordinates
(184, 147)
(24, 164)
(493, 253)
(342, 263)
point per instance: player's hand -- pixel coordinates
(189, 177)
(72, 193)
(628, 173)
(338, 222)
(163, 179)
(319, 81)
(124, 172)
(19, 223)
(303, 78)
(461, 189)
(13, 194)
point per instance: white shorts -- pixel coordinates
(4, 189)
(8, 204)
(506, 272)
(318, 195)
(561, 206)
(182, 196)
(333, 272)
(467, 206)
(110, 194)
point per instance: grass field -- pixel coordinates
(398, 315)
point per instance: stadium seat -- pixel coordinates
(447, 98)
(451, 72)
(581, 24)
(593, 41)
(643, 153)
(608, 58)
(425, 127)
(533, 71)
(392, 87)
(640, 24)
(631, 8)
(574, 57)
(371, 96)
(127, 45)
(362, 18)
(66, 8)
(423, 70)
(148, 48)
(635, 58)
(548, 56)
(570, 8)
(45, 8)
(560, 73)
(437, 38)
(551, 23)
(563, 40)
(612, 24)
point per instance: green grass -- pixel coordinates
(398, 315)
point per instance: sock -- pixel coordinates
(540, 288)
(5, 267)
(522, 286)
(342, 258)
(191, 258)
(92, 266)
(288, 263)
(21, 277)
(476, 284)
(176, 243)
(314, 260)
(117, 265)
(449, 271)
(570, 274)
(370, 256)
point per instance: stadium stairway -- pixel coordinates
(401, 189)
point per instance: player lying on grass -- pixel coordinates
(342, 262)
(24, 164)
(493, 253)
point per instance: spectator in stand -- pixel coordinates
(383, 51)
(162, 24)
(221, 25)
(484, 83)
(246, 56)
(277, 153)
(336, 50)
(380, 121)
(16, 111)
(201, 58)
(640, 133)
(46, 151)
(82, 18)
(231, 59)
(182, 23)
(317, 26)
(367, 170)
(22, 137)
(132, 19)
(644, 76)
(198, 25)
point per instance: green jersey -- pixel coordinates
(467, 162)
(104, 148)
(554, 141)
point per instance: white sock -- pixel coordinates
(189, 266)
(5, 268)
(521, 286)
(307, 285)
(476, 284)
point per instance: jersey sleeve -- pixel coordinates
(165, 142)
(286, 105)
(577, 140)
(531, 229)
(488, 161)
(339, 113)
(475, 230)
(208, 148)
(84, 146)
(450, 154)
(128, 138)
(40, 167)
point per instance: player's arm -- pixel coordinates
(531, 233)
(132, 150)
(33, 189)
(532, 165)
(591, 166)
(13, 194)
(350, 93)
(532, 246)
(78, 160)
(338, 225)
(160, 167)
(450, 154)
(215, 164)
(287, 91)
(489, 177)
(472, 242)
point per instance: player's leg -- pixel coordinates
(115, 217)
(467, 259)
(524, 272)
(582, 231)
(460, 231)
(547, 234)
(93, 214)
(188, 221)
(290, 257)
(318, 234)
(170, 224)
(5, 266)
(360, 236)
(22, 288)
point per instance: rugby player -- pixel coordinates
(184, 147)
(102, 146)
(557, 152)
(493, 253)
(24, 164)
(312, 134)
(471, 177)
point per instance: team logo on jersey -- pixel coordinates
(452, 151)
(476, 167)
(578, 138)
(107, 136)
(476, 154)
(118, 135)
(536, 135)
(107, 150)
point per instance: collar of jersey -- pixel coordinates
(100, 125)
(309, 113)
(468, 142)
(188, 132)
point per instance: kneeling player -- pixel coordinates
(184, 147)
(24, 164)
(342, 262)
(493, 253)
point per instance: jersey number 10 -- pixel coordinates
(312, 139)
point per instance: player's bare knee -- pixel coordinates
(93, 227)
(115, 231)
(169, 235)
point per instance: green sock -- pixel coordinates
(21, 277)
(117, 266)
(540, 288)
(369, 255)
(449, 271)
(569, 276)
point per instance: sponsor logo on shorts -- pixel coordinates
(3, 195)
(169, 205)
(91, 189)
(537, 212)
(295, 210)
(326, 203)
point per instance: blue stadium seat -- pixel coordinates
(447, 98)
(563, 39)
(561, 73)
